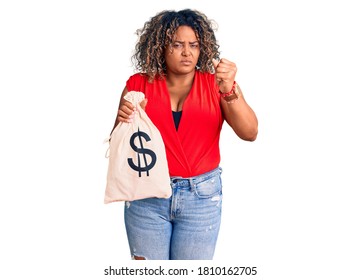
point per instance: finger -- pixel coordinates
(127, 104)
(227, 64)
(120, 120)
(225, 74)
(127, 107)
(223, 69)
(124, 117)
(126, 112)
(226, 61)
(230, 75)
(215, 63)
(123, 114)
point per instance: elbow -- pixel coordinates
(249, 134)
(252, 138)
(247, 131)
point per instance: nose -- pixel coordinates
(186, 51)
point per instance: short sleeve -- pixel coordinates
(136, 82)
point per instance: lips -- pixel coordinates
(186, 62)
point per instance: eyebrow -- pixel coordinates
(182, 42)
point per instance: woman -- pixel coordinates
(189, 92)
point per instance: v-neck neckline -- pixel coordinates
(184, 112)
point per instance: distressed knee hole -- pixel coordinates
(138, 258)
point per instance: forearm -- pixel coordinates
(240, 116)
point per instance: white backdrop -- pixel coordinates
(291, 200)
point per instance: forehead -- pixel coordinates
(185, 33)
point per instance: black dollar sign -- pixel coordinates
(143, 151)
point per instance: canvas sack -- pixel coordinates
(137, 165)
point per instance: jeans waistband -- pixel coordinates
(191, 181)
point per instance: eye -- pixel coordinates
(177, 45)
(194, 46)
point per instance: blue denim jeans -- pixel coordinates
(182, 227)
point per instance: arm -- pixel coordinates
(238, 114)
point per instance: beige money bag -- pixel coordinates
(137, 165)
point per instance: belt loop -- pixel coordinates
(193, 185)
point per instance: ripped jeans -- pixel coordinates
(182, 227)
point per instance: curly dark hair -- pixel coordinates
(158, 33)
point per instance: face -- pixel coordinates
(182, 55)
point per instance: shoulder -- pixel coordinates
(142, 77)
(137, 77)
(136, 82)
(140, 82)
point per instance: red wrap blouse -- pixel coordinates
(193, 149)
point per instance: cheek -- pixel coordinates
(196, 51)
(172, 55)
(168, 51)
(196, 54)
(169, 58)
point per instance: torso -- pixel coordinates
(178, 93)
(201, 118)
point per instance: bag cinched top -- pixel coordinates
(137, 165)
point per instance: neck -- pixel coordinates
(176, 79)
